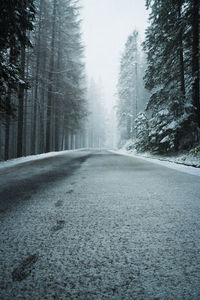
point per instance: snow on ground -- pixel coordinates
(21, 160)
(187, 163)
(183, 163)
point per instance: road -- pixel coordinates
(97, 225)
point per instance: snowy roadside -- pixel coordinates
(16, 161)
(190, 166)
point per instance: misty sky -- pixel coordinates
(106, 26)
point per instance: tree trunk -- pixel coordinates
(34, 129)
(182, 70)
(71, 141)
(0, 140)
(8, 112)
(195, 59)
(180, 53)
(7, 127)
(50, 87)
(66, 139)
(21, 107)
(41, 145)
(57, 105)
(42, 104)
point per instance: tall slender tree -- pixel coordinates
(131, 95)
(195, 58)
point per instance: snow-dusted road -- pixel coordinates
(97, 225)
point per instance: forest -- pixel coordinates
(158, 85)
(43, 94)
(99, 150)
(47, 104)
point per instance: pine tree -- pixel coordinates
(170, 113)
(130, 87)
(44, 83)
(195, 58)
(15, 20)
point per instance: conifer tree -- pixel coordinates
(45, 83)
(168, 43)
(15, 20)
(130, 87)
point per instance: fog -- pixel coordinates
(86, 81)
(106, 26)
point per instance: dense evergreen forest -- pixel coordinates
(42, 80)
(163, 115)
(46, 103)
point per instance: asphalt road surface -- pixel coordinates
(97, 225)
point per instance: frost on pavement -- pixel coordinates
(118, 228)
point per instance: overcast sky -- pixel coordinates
(106, 26)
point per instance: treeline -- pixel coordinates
(171, 119)
(42, 80)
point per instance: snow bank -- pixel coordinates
(21, 160)
(172, 162)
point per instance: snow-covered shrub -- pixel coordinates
(129, 145)
(142, 132)
(166, 126)
(195, 151)
(169, 123)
